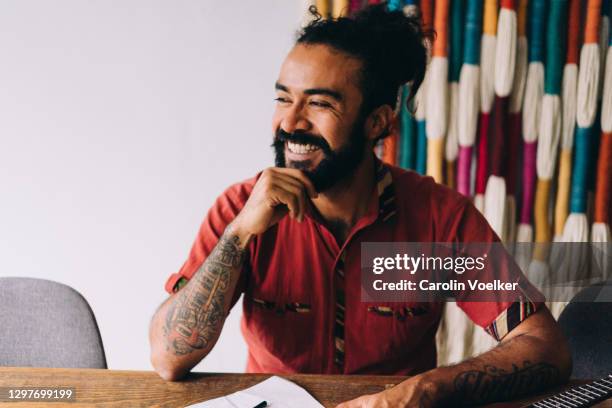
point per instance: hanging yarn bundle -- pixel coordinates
(324, 7)
(569, 91)
(437, 94)
(534, 90)
(514, 122)
(427, 14)
(498, 59)
(340, 8)
(548, 139)
(487, 95)
(576, 227)
(453, 321)
(390, 143)
(455, 61)
(550, 120)
(558, 259)
(604, 27)
(408, 134)
(601, 226)
(505, 57)
(469, 95)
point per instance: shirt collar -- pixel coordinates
(385, 190)
(381, 206)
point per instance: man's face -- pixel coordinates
(317, 123)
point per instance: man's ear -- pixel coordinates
(379, 122)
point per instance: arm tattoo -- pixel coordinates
(495, 384)
(195, 317)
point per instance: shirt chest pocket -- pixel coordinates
(276, 291)
(399, 327)
(282, 325)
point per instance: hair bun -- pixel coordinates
(392, 46)
(397, 41)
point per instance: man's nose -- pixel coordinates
(294, 120)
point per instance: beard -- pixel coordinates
(336, 166)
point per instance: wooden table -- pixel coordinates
(111, 388)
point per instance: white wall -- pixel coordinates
(120, 122)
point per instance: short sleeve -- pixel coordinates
(500, 316)
(225, 208)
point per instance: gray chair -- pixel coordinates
(47, 324)
(587, 324)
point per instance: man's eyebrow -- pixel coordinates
(314, 91)
(280, 87)
(324, 91)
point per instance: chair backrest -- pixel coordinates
(587, 324)
(47, 324)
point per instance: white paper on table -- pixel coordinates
(276, 391)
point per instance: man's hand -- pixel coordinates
(277, 192)
(413, 392)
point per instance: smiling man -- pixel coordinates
(289, 239)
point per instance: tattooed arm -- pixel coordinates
(531, 358)
(185, 328)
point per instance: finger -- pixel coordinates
(271, 182)
(299, 174)
(297, 190)
(281, 195)
(292, 180)
(295, 186)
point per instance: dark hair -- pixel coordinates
(391, 45)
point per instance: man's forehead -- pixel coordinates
(319, 66)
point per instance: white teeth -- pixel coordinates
(298, 148)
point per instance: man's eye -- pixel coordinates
(320, 104)
(280, 99)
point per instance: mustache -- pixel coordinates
(300, 137)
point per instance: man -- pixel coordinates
(290, 240)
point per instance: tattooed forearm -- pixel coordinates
(494, 384)
(194, 319)
(530, 359)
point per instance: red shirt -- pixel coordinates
(302, 310)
